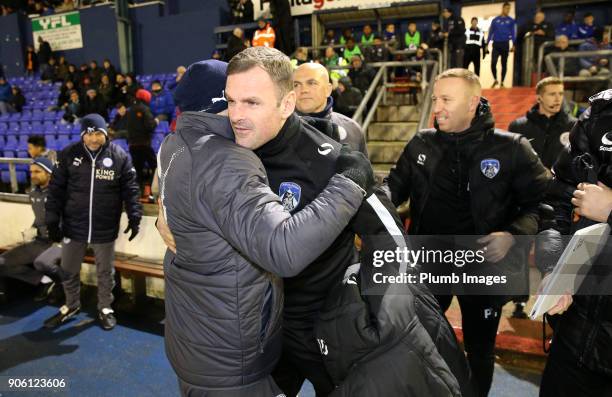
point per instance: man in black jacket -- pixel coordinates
(546, 124)
(453, 28)
(580, 360)
(466, 178)
(140, 127)
(91, 183)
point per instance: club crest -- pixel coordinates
(290, 194)
(489, 167)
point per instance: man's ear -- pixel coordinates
(329, 89)
(474, 103)
(288, 104)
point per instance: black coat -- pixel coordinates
(87, 193)
(387, 339)
(140, 124)
(584, 331)
(234, 46)
(548, 136)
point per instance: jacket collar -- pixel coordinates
(280, 142)
(542, 121)
(208, 122)
(482, 125)
(323, 114)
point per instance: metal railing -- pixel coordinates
(543, 47)
(379, 90)
(527, 66)
(12, 162)
(552, 68)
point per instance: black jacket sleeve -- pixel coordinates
(398, 181)
(56, 199)
(529, 186)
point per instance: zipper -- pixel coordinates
(91, 188)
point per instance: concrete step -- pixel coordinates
(397, 113)
(385, 152)
(392, 131)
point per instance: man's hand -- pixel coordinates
(564, 301)
(496, 245)
(356, 166)
(55, 232)
(593, 201)
(164, 230)
(512, 49)
(133, 226)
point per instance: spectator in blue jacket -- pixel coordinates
(162, 103)
(568, 28)
(591, 66)
(587, 28)
(502, 31)
(6, 95)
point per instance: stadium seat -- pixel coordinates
(64, 128)
(26, 115)
(15, 117)
(3, 126)
(59, 115)
(21, 177)
(25, 127)
(49, 115)
(11, 142)
(14, 128)
(1, 143)
(37, 115)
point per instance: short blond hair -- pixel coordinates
(466, 75)
(545, 82)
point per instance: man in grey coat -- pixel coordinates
(232, 239)
(313, 91)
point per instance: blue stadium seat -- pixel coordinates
(49, 115)
(75, 138)
(8, 153)
(11, 142)
(50, 141)
(22, 177)
(76, 128)
(64, 128)
(1, 143)
(37, 127)
(14, 127)
(49, 124)
(62, 143)
(15, 117)
(3, 126)
(37, 115)
(26, 115)
(63, 137)
(25, 127)
(59, 115)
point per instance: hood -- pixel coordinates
(206, 123)
(600, 101)
(346, 81)
(482, 124)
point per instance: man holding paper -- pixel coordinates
(580, 360)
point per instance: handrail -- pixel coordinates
(426, 110)
(370, 91)
(573, 54)
(13, 170)
(527, 67)
(549, 44)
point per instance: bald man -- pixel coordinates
(313, 90)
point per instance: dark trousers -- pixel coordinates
(301, 360)
(456, 55)
(18, 262)
(264, 388)
(500, 48)
(73, 253)
(143, 158)
(563, 377)
(472, 55)
(479, 321)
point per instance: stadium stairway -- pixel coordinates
(508, 104)
(394, 125)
